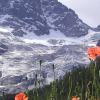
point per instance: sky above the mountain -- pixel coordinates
(87, 10)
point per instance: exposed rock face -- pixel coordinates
(98, 28)
(64, 19)
(3, 48)
(39, 16)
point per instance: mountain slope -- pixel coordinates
(39, 16)
(22, 60)
(48, 20)
(64, 19)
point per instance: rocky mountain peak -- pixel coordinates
(39, 17)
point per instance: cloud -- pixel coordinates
(88, 10)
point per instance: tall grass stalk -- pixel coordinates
(70, 88)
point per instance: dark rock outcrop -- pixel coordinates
(3, 48)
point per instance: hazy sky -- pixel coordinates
(88, 10)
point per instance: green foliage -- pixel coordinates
(82, 82)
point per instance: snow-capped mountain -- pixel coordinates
(39, 17)
(34, 30)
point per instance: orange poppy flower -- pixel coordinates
(21, 96)
(93, 52)
(74, 98)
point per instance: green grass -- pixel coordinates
(82, 82)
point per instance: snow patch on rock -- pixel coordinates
(6, 29)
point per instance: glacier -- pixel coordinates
(23, 55)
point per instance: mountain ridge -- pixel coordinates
(60, 45)
(39, 16)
